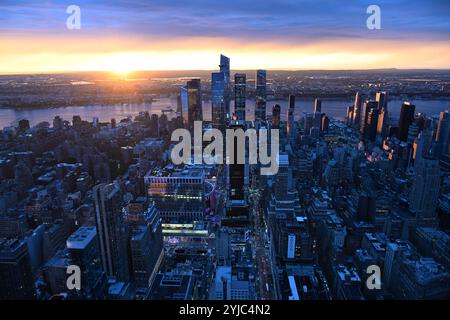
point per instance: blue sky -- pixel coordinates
(286, 22)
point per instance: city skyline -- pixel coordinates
(238, 152)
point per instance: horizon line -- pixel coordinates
(213, 70)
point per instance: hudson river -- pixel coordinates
(333, 107)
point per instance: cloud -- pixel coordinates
(286, 20)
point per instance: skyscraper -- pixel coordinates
(240, 95)
(367, 106)
(372, 123)
(381, 99)
(146, 245)
(405, 120)
(236, 208)
(425, 189)
(317, 105)
(382, 126)
(184, 107)
(261, 95)
(290, 117)
(111, 230)
(357, 110)
(84, 252)
(276, 114)
(218, 100)
(225, 69)
(442, 133)
(194, 95)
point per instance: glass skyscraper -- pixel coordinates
(240, 80)
(261, 95)
(218, 99)
(225, 69)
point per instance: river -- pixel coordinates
(335, 108)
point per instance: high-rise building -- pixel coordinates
(146, 245)
(290, 117)
(372, 123)
(194, 103)
(382, 126)
(83, 247)
(225, 69)
(15, 270)
(357, 110)
(276, 114)
(218, 100)
(405, 120)
(237, 209)
(381, 99)
(261, 95)
(425, 189)
(239, 95)
(368, 105)
(111, 230)
(422, 145)
(349, 117)
(442, 133)
(317, 105)
(183, 107)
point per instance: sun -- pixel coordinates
(121, 71)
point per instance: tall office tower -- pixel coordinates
(240, 83)
(382, 126)
(276, 114)
(422, 145)
(317, 105)
(290, 117)
(236, 207)
(15, 270)
(381, 99)
(283, 179)
(218, 100)
(349, 117)
(308, 123)
(261, 95)
(425, 189)
(111, 230)
(287, 222)
(194, 102)
(325, 123)
(84, 251)
(225, 69)
(357, 110)
(147, 250)
(367, 106)
(405, 120)
(372, 123)
(184, 107)
(442, 133)
(394, 251)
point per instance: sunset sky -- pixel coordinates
(173, 35)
